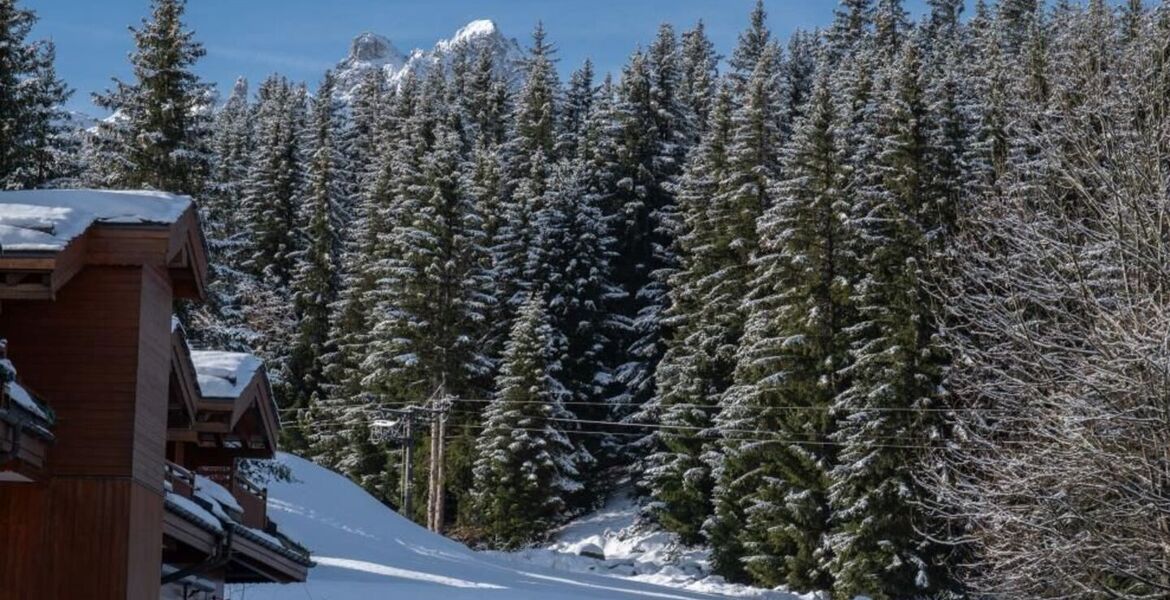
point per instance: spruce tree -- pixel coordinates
(525, 470)
(652, 132)
(851, 23)
(49, 151)
(699, 77)
(316, 281)
(771, 504)
(528, 156)
(271, 205)
(571, 263)
(878, 538)
(675, 475)
(157, 135)
(219, 322)
(32, 143)
(578, 103)
(429, 312)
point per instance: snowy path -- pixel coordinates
(365, 551)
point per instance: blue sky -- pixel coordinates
(302, 38)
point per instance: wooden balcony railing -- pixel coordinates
(182, 481)
(251, 497)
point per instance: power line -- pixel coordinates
(716, 431)
(879, 409)
(755, 436)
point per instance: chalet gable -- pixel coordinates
(220, 401)
(48, 236)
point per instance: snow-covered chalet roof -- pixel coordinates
(47, 220)
(18, 394)
(224, 374)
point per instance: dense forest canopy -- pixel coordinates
(878, 309)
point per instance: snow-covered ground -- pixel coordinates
(364, 551)
(611, 542)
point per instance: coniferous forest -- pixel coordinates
(878, 309)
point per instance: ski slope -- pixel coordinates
(365, 551)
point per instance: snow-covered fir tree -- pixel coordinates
(529, 155)
(316, 280)
(525, 467)
(429, 318)
(273, 195)
(33, 147)
(879, 527)
(700, 76)
(652, 136)
(676, 476)
(771, 496)
(156, 135)
(219, 322)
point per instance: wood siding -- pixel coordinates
(100, 356)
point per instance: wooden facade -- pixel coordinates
(90, 327)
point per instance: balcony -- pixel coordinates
(25, 427)
(230, 514)
(252, 499)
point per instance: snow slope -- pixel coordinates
(365, 551)
(613, 541)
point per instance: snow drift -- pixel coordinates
(365, 551)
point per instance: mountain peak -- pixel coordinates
(477, 28)
(370, 52)
(371, 47)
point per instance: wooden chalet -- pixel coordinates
(119, 475)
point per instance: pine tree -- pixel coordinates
(528, 155)
(316, 281)
(1014, 19)
(271, 202)
(652, 131)
(157, 135)
(429, 313)
(33, 147)
(219, 322)
(797, 71)
(571, 263)
(752, 44)
(524, 470)
(677, 479)
(851, 23)
(771, 506)
(878, 547)
(578, 103)
(699, 77)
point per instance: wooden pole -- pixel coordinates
(433, 479)
(440, 487)
(408, 458)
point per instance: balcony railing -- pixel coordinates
(182, 481)
(251, 497)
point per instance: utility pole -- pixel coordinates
(397, 426)
(437, 497)
(433, 476)
(408, 462)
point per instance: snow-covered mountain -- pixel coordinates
(364, 550)
(370, 51)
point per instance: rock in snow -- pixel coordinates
(364, 550)
(371, 52)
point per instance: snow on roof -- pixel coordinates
(211, 490)
(47, 220)
(193, 510)
(224, 374)
(18, 393)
